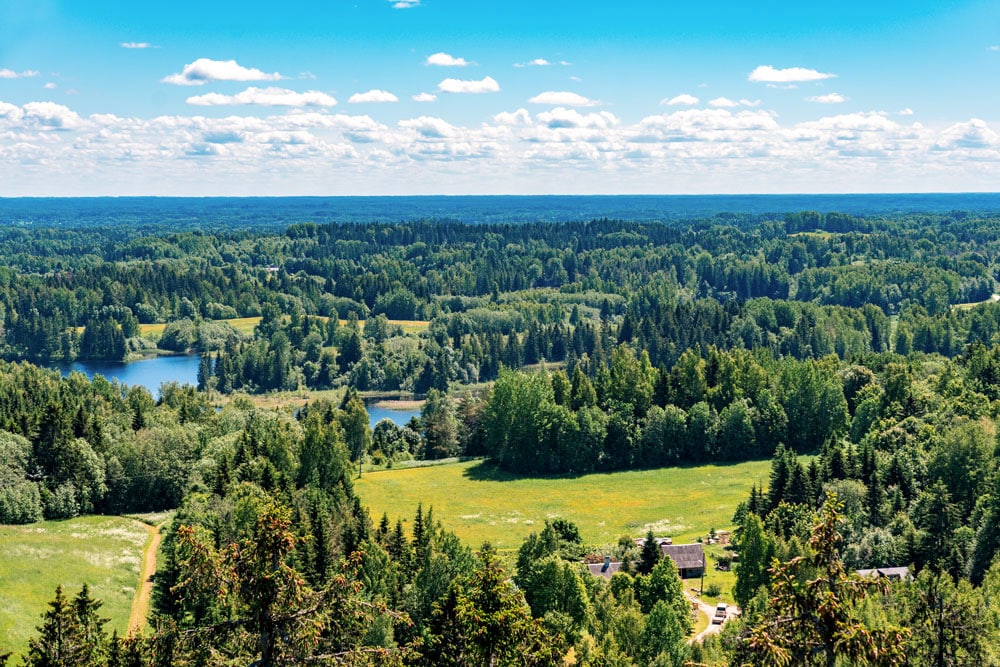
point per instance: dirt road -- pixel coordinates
(144, 592)
(708, 610)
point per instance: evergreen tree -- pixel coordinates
(651, 553)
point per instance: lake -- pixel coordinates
(399, 417)
(149, 373)
(183, 369)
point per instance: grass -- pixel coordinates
(970, 306)
(246, 325)
(104, 552)
(702, 623)
(481, 503)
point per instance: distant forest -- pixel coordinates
(861, 354)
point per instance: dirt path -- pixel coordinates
(144, 592)
(708, 610)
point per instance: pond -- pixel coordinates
(400, 416)
(183, 369)
(149, 373)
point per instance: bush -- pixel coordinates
(20, 503)
(712, 590)
(179, 336)
(61, 503)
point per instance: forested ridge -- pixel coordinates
(869, 346)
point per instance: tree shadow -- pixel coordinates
(489, 471)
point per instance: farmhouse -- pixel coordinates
(689, 558)
(890, 573)
(605, 569)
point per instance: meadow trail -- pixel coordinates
(144, 591)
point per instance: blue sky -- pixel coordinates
(442, 96)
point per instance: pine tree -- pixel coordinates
(651, 553)
(813, 617)
(72, 633)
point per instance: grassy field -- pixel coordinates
(480, 503)
(246, 326)
(104, 552)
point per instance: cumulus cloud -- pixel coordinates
(204, 70)
(137, 45)
(538, 62)
(829, 98)
(271, 97)
(429, 127)
(485, 85)
(372, 96)
(424, 97)
(404, 4)
(50, 86)
(561, 118)
(46, 148)
(723, 102)
(564, 98)
(50, 116)
(768, 74)
(442, 59)
(680, 100)
(975, 134)
(11, 74)
(519, 117)
(905, 112)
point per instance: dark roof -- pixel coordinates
(602, 570)
(685, 556)
(892, 573)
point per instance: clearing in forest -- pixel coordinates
(105, 552)
(480, 503)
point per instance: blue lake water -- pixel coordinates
(398, 417)
(149, 373)
(183, 369)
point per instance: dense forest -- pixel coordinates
(860, 355)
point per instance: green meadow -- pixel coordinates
(105, 552)
(480, 503)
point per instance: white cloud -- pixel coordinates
(372, 96)
(11, 74)
(538, 62)
(486, 85)
(750, 103)
(50, 86)
(829, 98)
(905, 112)
(203, 70)
(272, 97)
(137, 45)
(429, 127)
(975, 134)
(442, 59)
(564, 98)
(52, 116)
(46, 148)
(995, 47)
(768, 74)
(424, 97)
(680, 100)
(723, 102)
(560, 118)
(404, 4)
(519, 117)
